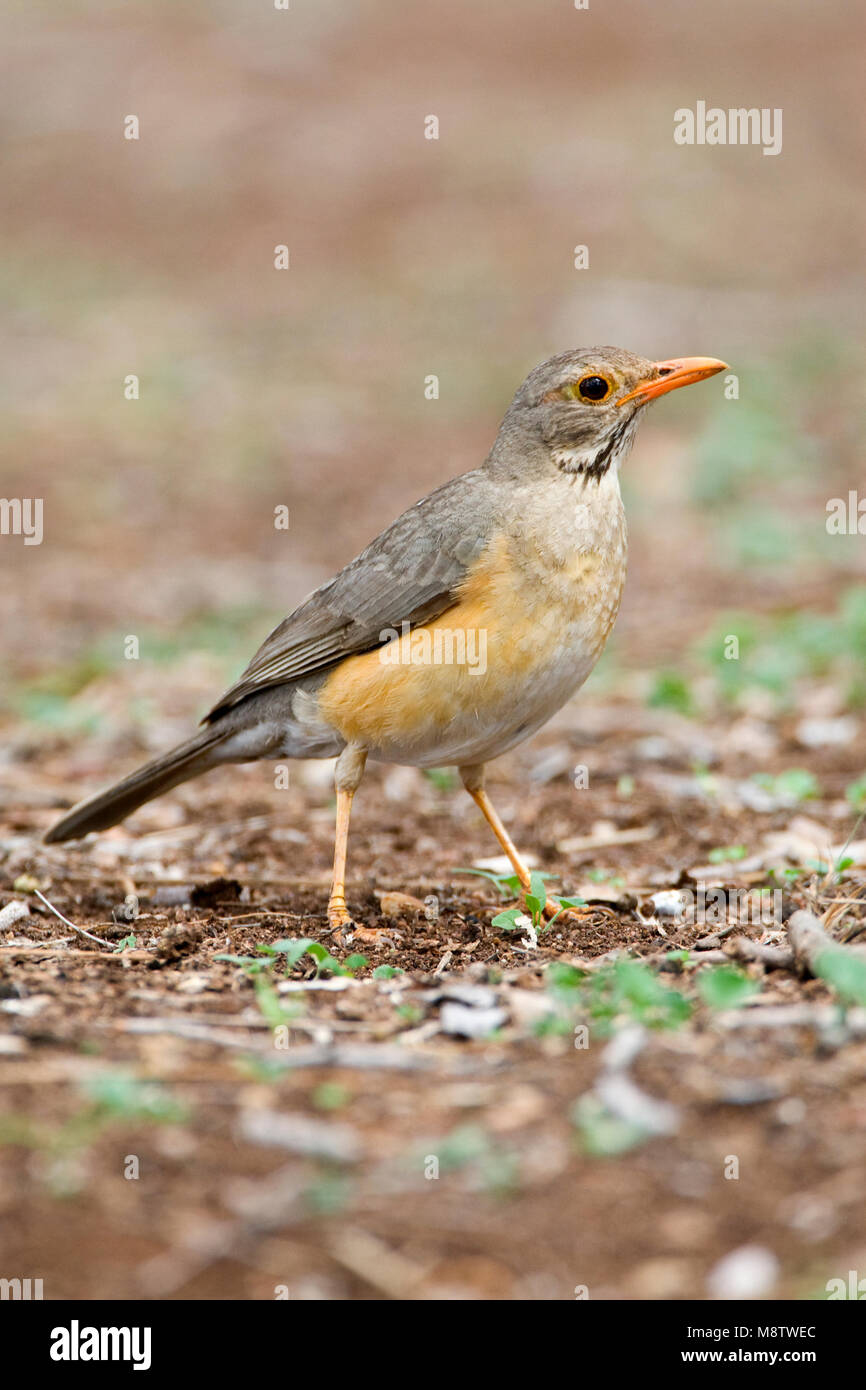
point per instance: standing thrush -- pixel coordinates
(463, 627)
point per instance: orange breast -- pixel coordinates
(478, 662)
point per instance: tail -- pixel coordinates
(189, 759)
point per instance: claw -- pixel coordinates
(374, 936)
(552, 907)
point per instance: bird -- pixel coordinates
(461, 629)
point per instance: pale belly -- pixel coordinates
(475, 718)
(523, 637)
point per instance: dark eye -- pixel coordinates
(593, 388)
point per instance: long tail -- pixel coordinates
(187, 760)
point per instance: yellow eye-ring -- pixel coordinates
(592, 388)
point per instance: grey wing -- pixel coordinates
(408, 574)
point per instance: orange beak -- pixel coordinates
(681, 371)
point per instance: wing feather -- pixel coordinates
(410, 574)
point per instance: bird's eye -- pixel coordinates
(593, 388)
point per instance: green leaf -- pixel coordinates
(268, 1001)
(292, 950)
(442, 778)
(248, 962)
(565, 978)
(794, 784)
(844, 972)
(677, 957)
(508, 885)
(671, 691)
(508, 920)
(121, 1095)
(564, 905)
(630, 988)
(537, 887)
(355, 962)
(727, 854)
(817, 866)
(324, 960)
(602, 1134)
(726, 987)
(331, 1095)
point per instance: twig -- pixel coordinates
(775, 957)
(714, 939)
(810, 941)
(65, 920)
(820, 1016)
(362, 1056)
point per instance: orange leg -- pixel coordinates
(473, 781)
(338, 913)
(347, 779)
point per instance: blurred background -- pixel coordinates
(409, 257)
(304, 388)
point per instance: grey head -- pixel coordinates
(582, 407)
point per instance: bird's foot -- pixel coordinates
(373, 936)
(339, 916)
(346, 931)
(553, 908)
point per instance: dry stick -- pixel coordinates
(714, 939)
(774, 957)
(819, 1016)
(66, 921)
(810, 941)
(351, 1055)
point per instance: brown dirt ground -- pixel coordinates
(528, 1214)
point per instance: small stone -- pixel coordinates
(12, 913)
(400, 905)
(663, 1278)
(669, 903)
(473, 996)
(826, 733)
(749, 1272)
(465, 1022)
(791, 1111)
(26, 1008)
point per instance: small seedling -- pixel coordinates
(726, 987)
(387, 972)
(856, 794)
(727, 854)
(844, 973)
(443, 778)
(602, 1134)
(671, 691)
(330, 1095)
(793, 785)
